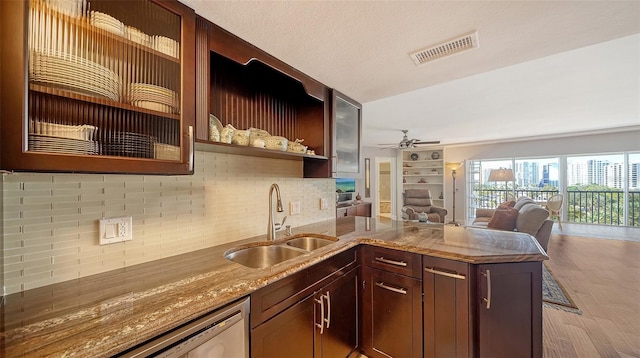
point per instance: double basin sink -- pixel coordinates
(270, 253)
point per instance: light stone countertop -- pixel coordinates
(101, 315)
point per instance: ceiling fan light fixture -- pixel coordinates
(448, 48)
(407, 143)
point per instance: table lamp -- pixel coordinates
(502, 174)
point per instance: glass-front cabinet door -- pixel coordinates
(108, 87)
(347, 118)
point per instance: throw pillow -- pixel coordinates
(520, 203)
(531, 218)
(506, 205)
(504, 219)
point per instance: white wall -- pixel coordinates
(627, 140)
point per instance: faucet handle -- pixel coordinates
(278, 226)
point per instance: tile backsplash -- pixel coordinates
(50, 221)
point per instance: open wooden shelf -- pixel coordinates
(216, 147)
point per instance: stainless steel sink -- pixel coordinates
(263, 256)
(310, 243)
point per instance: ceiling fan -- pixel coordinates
(407, 143)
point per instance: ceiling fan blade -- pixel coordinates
(427, 142)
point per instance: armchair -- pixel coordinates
(419, 201)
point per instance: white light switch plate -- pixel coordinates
(114, 230)
(324, 204)
(294, 208)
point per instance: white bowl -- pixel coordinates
(276, 143)
(240, 137)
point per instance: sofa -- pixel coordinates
(418, 201)
(522, 215)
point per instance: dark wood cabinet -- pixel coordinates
(312, 313)
(391, 304)
(509, 310)
(488, 310)
(289, 334)
(391, 320)
(447, 310)
(109, 88)
(324, 324)
(246, 87)
(339, 300)
(359, 209)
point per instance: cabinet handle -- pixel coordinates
(488, 299)
(391, 262)
(328, 319)
(191, 152)
(321, 324)
(444, 273)
(393, 289)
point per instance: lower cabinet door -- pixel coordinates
(447, 328)
(289, 334)
(340, 303)
(392, 315)
(510, 310)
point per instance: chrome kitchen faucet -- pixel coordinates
(271, 227)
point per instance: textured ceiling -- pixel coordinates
(361, 48)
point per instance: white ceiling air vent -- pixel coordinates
(448, 48)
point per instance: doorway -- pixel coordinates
(385, 184)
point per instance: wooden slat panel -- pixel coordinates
(240, 97)
(202, 80)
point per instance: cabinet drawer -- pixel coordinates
(404, 263)
(444, 267)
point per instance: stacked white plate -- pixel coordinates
(153, 97)
(73, 8)
(166, 45)
(73, 73)
(107, 23)
(82, 132)
(50, 144)
(139, 37)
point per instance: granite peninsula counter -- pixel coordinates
(103, 314)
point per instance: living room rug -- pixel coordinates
(554, 295)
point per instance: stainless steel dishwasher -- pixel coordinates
(222, 334)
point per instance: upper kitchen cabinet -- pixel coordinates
(346, 129)
(250, 103)
(98, 86)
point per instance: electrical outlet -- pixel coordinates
(114, 230)
(294, 208)
(324, 203)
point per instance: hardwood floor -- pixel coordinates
(603, 278)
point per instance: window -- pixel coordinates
(595, 189)
(598, 189)
(633, 187)
(537, 178)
